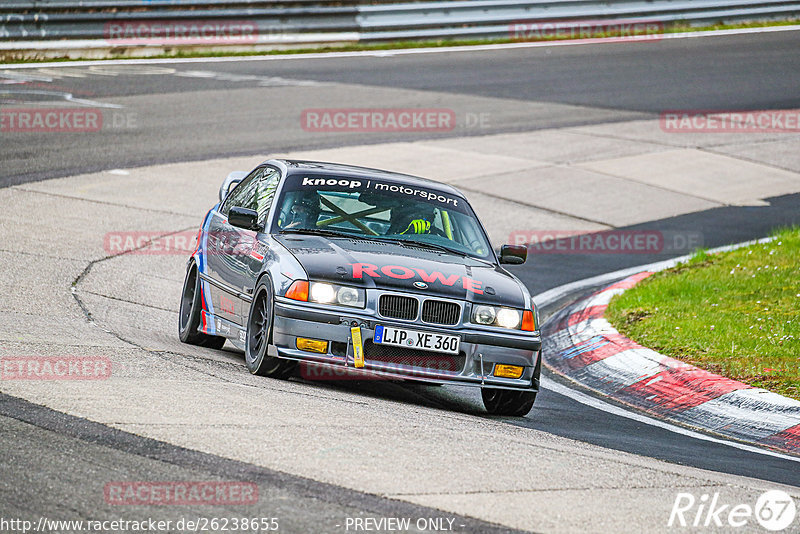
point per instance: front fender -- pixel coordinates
(281, 266)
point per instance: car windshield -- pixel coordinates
(380, 210)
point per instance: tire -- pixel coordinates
(507, 402)
(189, 314)
(259, 337)
(537, 371)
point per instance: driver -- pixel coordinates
(304, 212)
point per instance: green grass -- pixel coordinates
(736, 314)
(676, 27)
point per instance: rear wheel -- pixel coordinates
(259, 337)
(189, 314)
(507, 402)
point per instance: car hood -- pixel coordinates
(391, 266)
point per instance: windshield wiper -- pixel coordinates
(443, 248)
(422, 244)
(318, 231)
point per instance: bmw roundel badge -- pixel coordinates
(420, 285)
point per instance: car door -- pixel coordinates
(239, 253)
(255, 244)
(224, 245)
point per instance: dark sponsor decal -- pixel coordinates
(383, 187)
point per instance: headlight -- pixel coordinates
(348, 296)
(484, 315)
(334, 294)
(493, 316)
(322, 293)
(508, 318)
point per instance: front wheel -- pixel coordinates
(508, 402)
(259, 336)
(189, 314)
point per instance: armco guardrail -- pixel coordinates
(60, 22)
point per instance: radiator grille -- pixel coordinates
(434, 361)
(398, 307)
(440, 312)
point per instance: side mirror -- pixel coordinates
(243, 218)
(513, 254)
(230, 182)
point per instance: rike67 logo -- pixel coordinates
(774, 510)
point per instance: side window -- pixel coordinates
(265, 194)
(243, 194)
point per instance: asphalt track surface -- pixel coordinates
(233, 117)
(62, 453)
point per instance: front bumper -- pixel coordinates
(480, 349)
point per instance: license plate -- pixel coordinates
(414, 339)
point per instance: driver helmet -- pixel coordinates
(305, 211)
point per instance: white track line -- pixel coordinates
(555, 294)
(396, 52)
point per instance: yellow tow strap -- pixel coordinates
(358, 347)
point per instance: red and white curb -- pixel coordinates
(583, 346)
